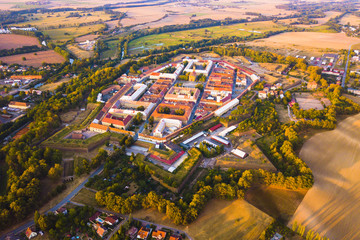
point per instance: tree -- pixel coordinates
(55, 172)
(151, 120)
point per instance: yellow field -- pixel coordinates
(220, 219)
(65, 34)
(43, 21)
(79, 52)
(308, 40)
(53, 86)
(332, 206)
(350, 18)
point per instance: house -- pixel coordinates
(30, 233)
(77, 135)
(94, 217)
(111, 220)
(312, 85)
(101, 231)
(174, 238)
(95, 127)
(159, 235)
(132, 232)
(277, 236)
(19, 105)
(262, 94)
(61, 210)
(143, 233)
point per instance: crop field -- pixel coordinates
(279, 203)
(332, 206)
(308, 40)
(43, 21)
(54, 85)
(89, 37)
(220, 219)
(112, 51)
(65, 34)
(79, 52)
(49, 57)
(350, 18)
(9, 41)
(174, 38)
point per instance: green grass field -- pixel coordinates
(86, 197)
(174, 38)
(113, 49)
(65, 34)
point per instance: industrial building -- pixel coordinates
(239, 153)
(221, 140)
(230, 105)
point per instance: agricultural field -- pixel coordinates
(321, 21)
(9, 41)
(174, 38)
(255, 159)
(112, 51)
(350, 18)
(220, 219)
(54, 85)
(34, 59)
(307, 40)
(279, 203)
(332, 206)
(65, 34)
(89, 37)
(45, 21)
(79, 52)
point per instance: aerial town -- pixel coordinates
(168, 120)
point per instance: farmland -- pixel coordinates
(220, 219)
(34, 60)
(9, 41)
(308, 40)
(54, 85)
(350, 18)
(44, 21)
(174, 38)
(79, 52)
(65, 34)
(332, 207)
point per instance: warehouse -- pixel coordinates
(230, 105)
(239, 153)
(227, 131)
(193, 138)
(221, 140)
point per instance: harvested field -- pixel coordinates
(332, 206)
(309, 40)
(279, 203)
(9, 41)
(53, 86)
(65, 34)
(274, 67)
(350, 18)
(89, 37)
(220, 219)
(79, 52)
(49, 57)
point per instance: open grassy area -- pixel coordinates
(277, 202)
(282, 113)
(44, 21)
(172, 179)
(112, 51)
(86, 197)
(52, 86)
(68, 168)
(220, 219)
(65, 34)
(165, 154)
(174, 38)
(80, 53)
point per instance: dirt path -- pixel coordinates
(332, 206)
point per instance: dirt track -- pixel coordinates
(332, 206)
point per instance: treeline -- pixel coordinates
(25, 49)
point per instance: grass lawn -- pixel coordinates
(220, 219)
(174, 38)
(65, 34)
(86, 197)
(277, 202)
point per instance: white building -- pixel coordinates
(191, 62)
(230, 105)
(239, 153)
(140, 89)
(164, 123)
(227, 131)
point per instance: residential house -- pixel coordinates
(101, 231)
(111, 220)
(262, 94)
(312, 85)
(61, 210)
(30, 233)
(143, 233)
(159, 235)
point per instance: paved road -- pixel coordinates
(63, 202)
(346, 67)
